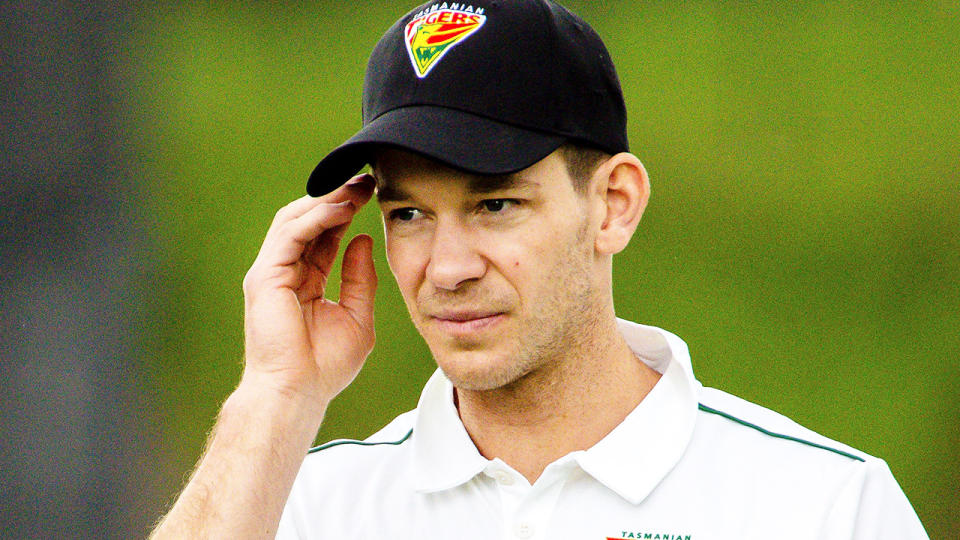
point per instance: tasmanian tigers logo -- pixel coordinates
(432, 33)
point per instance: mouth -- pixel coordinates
(466, 323)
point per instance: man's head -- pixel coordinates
(497, 131)
(502, 275)
(485, 87)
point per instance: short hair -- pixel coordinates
(582, 161)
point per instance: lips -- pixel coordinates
(463, 316)
(466, 323)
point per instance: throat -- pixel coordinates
(550, 413)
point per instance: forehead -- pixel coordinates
(396, 171)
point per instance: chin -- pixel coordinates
(479, 370)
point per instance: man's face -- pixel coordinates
(499, 275)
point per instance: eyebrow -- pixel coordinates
(478, 185)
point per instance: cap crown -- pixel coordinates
(525, 63)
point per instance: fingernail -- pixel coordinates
(362, 179)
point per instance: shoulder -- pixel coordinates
(397, 432)
(379, 462)
(342, 483)
(748, 451)
(755, 454)
(751, 428)
(387, 446)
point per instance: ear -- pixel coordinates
(624, 187)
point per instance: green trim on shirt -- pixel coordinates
(331, 444)
(711, 410)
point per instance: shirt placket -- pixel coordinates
(526, 509)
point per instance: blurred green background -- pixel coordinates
(803, 235)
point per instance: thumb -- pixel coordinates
(359, 281)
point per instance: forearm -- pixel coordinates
(244, 477)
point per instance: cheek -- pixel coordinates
(405, 264)
(524, 265)
(559, 261)
(510, 255)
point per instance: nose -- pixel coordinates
(454, 259)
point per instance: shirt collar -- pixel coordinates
(631, 460)
(444, 455)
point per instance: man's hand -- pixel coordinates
(296, 340)
(301, 351)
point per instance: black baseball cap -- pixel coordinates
(487, 87)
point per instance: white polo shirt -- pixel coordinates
(689, 463)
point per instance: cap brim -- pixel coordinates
(455, 138)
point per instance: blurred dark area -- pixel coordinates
(70, 263)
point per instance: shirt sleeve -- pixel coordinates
(291, 526)
(286, 529)
(871, 506)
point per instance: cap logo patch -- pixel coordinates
(436, 30)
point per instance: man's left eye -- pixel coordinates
(497, 205)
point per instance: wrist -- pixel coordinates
(297, 386)
(288, 407)
(254, 452)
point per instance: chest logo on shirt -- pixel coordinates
(435, 30)
(629, 535)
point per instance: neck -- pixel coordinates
(569, 405)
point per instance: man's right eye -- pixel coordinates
(404, 214)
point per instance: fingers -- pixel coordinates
(314, 225)
(321, 252)
(306, 218)
(357, 190)
(286, 243)
(359, 281)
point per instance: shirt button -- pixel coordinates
(503, 477)
(524, 530)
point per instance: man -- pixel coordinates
(506, 187)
